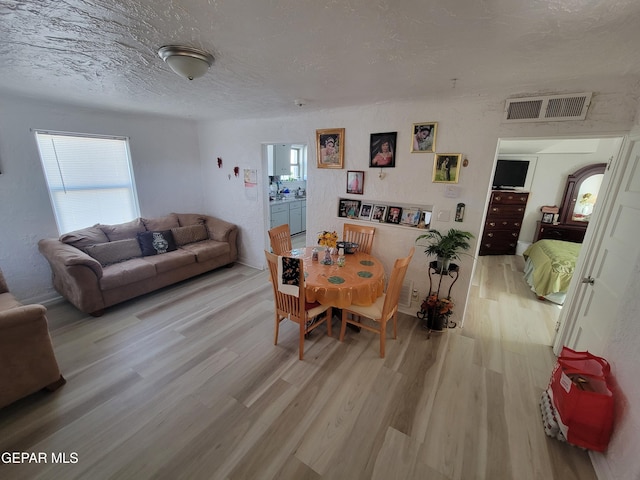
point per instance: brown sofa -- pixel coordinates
(27, 361)
(103, 265)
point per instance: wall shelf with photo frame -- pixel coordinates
(394, 214)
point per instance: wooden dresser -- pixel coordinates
(503, 223)
(568, 233)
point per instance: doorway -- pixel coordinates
(555, 159)
(285, 189)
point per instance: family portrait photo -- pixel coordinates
(424, 138)
(330, 148)
(446, 167)
(379, 213)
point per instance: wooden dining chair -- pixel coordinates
(280, 238)
(384, 309)
(360, 234)
(307, 315)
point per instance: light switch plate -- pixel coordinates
(444, 215)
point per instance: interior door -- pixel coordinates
(608, 266)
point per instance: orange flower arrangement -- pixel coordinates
(328, 239)
(442, 306)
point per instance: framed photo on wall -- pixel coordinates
(382, 148)
(365, 211)
(394, 215)
(423, 137)
(446, 167)
(379, 213)
(410, 216)
(355, 182)
(349, 208)
(330, 148)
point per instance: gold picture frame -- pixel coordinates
(330, 148)
(423, 137)
(446, 167)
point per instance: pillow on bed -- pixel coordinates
(155, 243)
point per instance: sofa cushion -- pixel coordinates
(122, 231)
(171, 260)
(207, 249)
(190, 219)
(154, 243)
(125, 273)
(189, 234)
(161, 223)
(84, 237)
(114, 252)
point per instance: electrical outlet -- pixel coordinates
(444, 215)
(414, 294)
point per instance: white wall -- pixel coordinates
(470, 126)
(166, 164)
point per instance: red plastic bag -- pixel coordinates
(581, 394)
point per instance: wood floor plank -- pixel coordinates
(186, 383)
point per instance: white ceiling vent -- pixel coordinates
(549, 108)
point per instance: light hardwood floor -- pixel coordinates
(186, 383)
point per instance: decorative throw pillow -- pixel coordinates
(155, 243)
(190, 234)
(122, 231)
(114, 252)
(161, 223)
(83, 238)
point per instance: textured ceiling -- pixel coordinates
(328, 53)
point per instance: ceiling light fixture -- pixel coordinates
(188, 62)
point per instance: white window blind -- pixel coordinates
(90, 179)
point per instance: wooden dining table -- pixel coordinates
(359, 282)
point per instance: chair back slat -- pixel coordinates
(280, 238)
(394, 286)
(360, 234)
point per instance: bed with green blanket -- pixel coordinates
(549, 266)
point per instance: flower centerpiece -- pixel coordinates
(329, 240)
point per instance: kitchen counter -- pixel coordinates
(286, 200)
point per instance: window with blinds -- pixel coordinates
(89, 177)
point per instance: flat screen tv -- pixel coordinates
(510, 174)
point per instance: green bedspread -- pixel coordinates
(554, 262)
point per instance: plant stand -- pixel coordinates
(436, 322)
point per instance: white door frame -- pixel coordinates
(568, 318)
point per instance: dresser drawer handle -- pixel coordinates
(517, 224)
(514, 235)
(492, 224)
(489, 234)
(498, 198)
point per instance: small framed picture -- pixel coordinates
(365, 211)
(425, 219)
(446, 167)
(330, 147)
(410, 217)
(349, 208)
(355, 182)
(394, 215)
(547, 218)
(382, 148)
(379, 213)
(423, 138)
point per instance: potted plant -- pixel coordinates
(446, 247)
(436, 310)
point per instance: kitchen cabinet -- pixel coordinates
(295, 217)
(279, 214)
(282, 159)
(304, 215)
(503, 223)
